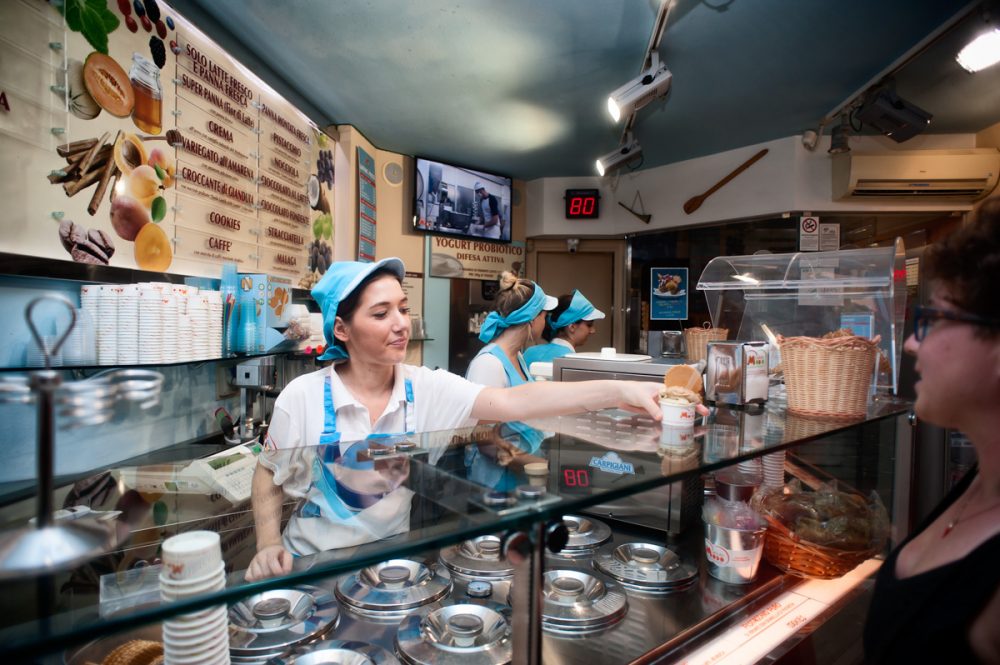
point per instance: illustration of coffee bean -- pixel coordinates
(102, 240)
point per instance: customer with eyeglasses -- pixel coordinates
(937, 595)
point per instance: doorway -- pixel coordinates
(591, 272)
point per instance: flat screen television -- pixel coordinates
(461, 202)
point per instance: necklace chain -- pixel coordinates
(953, 522)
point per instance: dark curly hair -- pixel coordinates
(968, 263)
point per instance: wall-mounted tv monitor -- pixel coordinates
(461, 202)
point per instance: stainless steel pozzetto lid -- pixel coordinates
(272, 622)
(479, 558)
(457, 634)
(585, 535)
(339, 652)
(577, 602)
(646, 567)
(391, 587)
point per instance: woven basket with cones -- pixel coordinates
(828, 378)
(696, 341)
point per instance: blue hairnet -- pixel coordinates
(338, 282)
(580, 309)
(496, 324)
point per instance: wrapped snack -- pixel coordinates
(824, 533)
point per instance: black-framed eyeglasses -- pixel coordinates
(923, 317)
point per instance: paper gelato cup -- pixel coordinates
(677, 413)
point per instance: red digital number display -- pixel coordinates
(581, 206)
(576, 478)
(582, 203)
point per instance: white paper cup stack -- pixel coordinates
(128, 325)
(774, 469)
(168, 310)
(150, 325)
(198, 307)
(193, 566)
(107, 324)
(214, 323)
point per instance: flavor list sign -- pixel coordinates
(367, 211)
(170, 154)
(473, 259)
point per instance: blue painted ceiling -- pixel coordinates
(519, 86)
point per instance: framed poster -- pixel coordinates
(668, 294)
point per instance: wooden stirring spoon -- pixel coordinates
(695, 202)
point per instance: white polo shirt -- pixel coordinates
(441, 401)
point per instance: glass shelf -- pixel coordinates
(285, 348)
(454, 473)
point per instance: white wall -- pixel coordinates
(788, 179)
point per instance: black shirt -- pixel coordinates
(926, 618)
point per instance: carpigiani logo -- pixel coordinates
(612, 463)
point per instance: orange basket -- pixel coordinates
(828, 378)
(696, 341)
(790, 554)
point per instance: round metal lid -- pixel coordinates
(457, 633)
(478, 557)
(577, 602)
(646, 567)
(274, 621)
(339, 652)
(397, 585)
(585, 535)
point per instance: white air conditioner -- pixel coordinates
(952, 175)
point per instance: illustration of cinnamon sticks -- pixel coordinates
(67, 149)
(106, 173)
(92, 153)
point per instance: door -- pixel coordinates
(591, 272)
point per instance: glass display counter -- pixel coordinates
(497, 518)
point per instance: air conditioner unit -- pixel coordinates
(948, 175)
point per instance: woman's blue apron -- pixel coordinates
(333, 498)
(487, 472)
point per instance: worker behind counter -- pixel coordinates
(567, 327)
(325, 423)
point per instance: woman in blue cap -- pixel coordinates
(568, 326)
(515, 324)
(346, 498)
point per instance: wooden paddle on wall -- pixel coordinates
(695, 202)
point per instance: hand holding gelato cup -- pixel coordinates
(678, 405)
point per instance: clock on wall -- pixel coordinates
(582, 203)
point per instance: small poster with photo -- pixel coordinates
(668, 298)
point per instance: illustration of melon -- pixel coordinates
(81, 104)
(108, 84)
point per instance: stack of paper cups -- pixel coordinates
(150, 325)
(774, 469)
(193, 566)
(214, 323)
(128, 325)
(107, 324)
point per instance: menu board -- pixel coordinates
(138, 142)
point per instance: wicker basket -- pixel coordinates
(696, 341)
(785, 551)
(828, 378)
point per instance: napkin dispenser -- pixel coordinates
(736, 372)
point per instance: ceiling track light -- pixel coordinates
(652, 83)
(838, 137)
(981, 52)
(627, 151)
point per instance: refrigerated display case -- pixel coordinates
(494, 565)
(761, 296)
